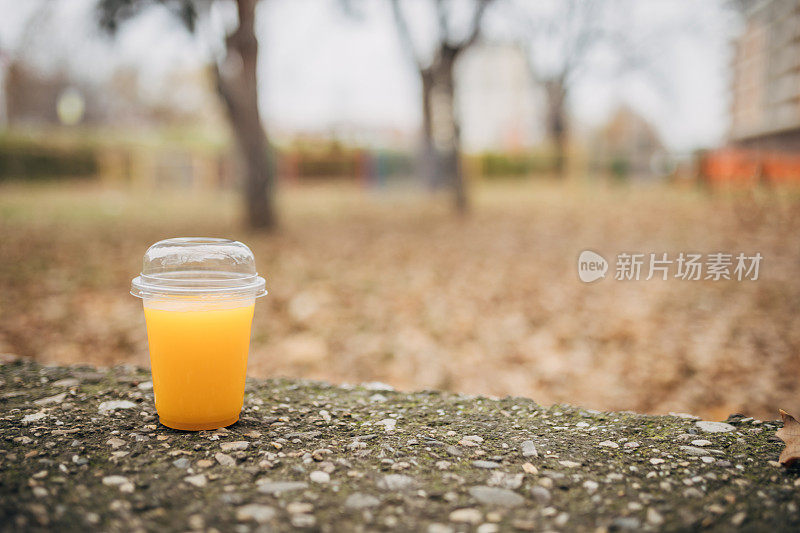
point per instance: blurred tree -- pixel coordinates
(441, 162)
(235, 77)
(558, 43)
(566, 40)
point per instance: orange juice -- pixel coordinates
(199, 294)
(198, 355)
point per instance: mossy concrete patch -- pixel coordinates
(312, 456)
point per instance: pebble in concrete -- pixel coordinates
(320, 477)
(256, 512)
(468, 515)
(279, 487)
(528, 449)
(361, 501)
(714, 427)
(496, 496)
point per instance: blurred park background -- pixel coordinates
(417, 179)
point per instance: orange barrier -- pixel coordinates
(741, 167)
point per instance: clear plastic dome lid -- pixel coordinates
(198, 267)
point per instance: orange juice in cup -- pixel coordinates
(199, 296)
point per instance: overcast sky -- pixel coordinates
(320, 67)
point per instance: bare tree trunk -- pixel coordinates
(557, 123)
(441, 134)
(446, 129)
(428, 152)
(236, 83)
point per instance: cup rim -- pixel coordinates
(198, 284)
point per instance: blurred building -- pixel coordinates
(628, 145)
(31, 98)
(35, 97)
(497, 99)
(764, 147)
(766, 77)
(55, 126)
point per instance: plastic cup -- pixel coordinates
(198, 295)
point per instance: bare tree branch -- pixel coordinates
(589, 33)
(112, 13)
(405, 35)
(475, 28)
(441, 18)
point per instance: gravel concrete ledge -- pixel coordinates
(81, 450)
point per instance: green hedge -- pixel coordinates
(34, 161)
(500, 165)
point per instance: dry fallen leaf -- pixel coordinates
(790, 434)
(366, 287)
